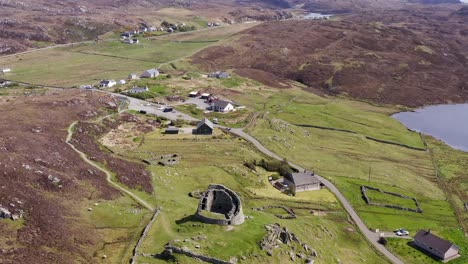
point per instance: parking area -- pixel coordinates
(200, 103)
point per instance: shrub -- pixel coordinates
(250, 165)
(383, 241)
(282, 167)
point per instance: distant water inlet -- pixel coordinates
(316, 16)
(448, 123)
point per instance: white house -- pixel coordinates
(151, 73)
(132, 76)
(5, 70)
(136, 90)
(222, 106)
(122, 81)
(107, 83)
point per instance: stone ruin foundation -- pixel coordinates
(220, 205)
(277, 236)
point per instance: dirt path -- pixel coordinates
(107, 172)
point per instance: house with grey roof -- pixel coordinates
(151, 73)
(302, 181)
(219, 75)
(222, 106)
(204, 127)
(435, 246)
(107, 83)
(137, 90)
(132, 76)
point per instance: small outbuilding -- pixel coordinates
(107, 83)
(205, 95)
(204, 127)
(151, 73)
(302, 181)
(193, 94)
(137, 90)
(122, 81)
(219, 75)
(5, 70)
(436, 246)
(132, 76)
(172, 130)
(222, 106)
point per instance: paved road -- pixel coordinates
(371, 236)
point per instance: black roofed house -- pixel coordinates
(302, 181)
(204, 127)
(222, 106)
(171, 130)
(436, 246)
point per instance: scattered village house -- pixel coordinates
(151, 73)
(131, 41)
(302, 181)
(172, 130)
(5, 70)
(436, 246)
(219, 75)
(132, 76)
(204, 127)
(137, 90)
(107, 83)
(193, 94)
(222, 106)
(205, 95)
(122, 81)
(126, 35)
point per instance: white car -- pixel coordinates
(401, 232)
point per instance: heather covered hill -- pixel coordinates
(410, 57)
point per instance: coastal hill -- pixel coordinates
(410, 57)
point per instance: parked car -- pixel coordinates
(401, 232)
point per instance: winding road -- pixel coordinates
(371, 236)
(108, 173)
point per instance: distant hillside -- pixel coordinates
(410, 57)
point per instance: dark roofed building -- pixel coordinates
(222, 106)
(204, 127)
(302, 181)
(436, 246)
(171, 130)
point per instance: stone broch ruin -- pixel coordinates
(220, 205)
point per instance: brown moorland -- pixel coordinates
(411, 57)
(43, 177)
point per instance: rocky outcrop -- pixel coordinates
(277, 236)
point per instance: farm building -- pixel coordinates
(5, 70)
(107, 83)
(172, 130)
(132, 76)
(204, 127)
(436, 246)
(302, 181)
(137, 90)
(205, 95)
(222, 106)
(193, 94)
(122, 82)
(151, 73)
(219, 75)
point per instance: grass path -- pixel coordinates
(107, 172)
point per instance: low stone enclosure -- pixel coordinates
(220, 205)
(290, 213)
(277, 236)
(163, 160)
(369, 202)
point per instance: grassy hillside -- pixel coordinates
(219, 159)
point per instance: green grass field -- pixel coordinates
(220, 159)
(89, 63)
